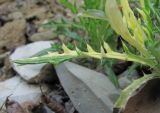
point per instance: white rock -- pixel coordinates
(31, 73)
(20, 90)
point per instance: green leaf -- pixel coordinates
(55, 47)
(94, 14)
(107, 47)
(72, 35)
(69, 5)
(120, 24)
(111, 74)
(63, 23)
(154, 48)
(54, 58)
(116, 21)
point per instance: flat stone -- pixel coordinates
(20, 91)
(36, 72)
(90, 91)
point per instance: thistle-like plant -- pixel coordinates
(139, 32)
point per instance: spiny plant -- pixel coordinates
(91, 20)
(136, 31)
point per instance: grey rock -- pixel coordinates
(124, 82)
(90, 91)
(126, 78)
(47, 35)
(20, 90)
(36, 72)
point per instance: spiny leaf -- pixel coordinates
(90, 49)
(107, 48)
(125, 47)
(142, 14)
(51, 57)
(65, 49)
(120, 25)
(56, 57)
(131, 89)
(132, 22)
(115, 19)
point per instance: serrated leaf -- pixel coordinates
(115, 18)
(66, 49)
(54, 58)
(90, 49)
(142, 14)
(117, 22)
(107, 47)
(131, 89)
(133, 22)
(102, 52)
(125, 47)
(120, 24)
